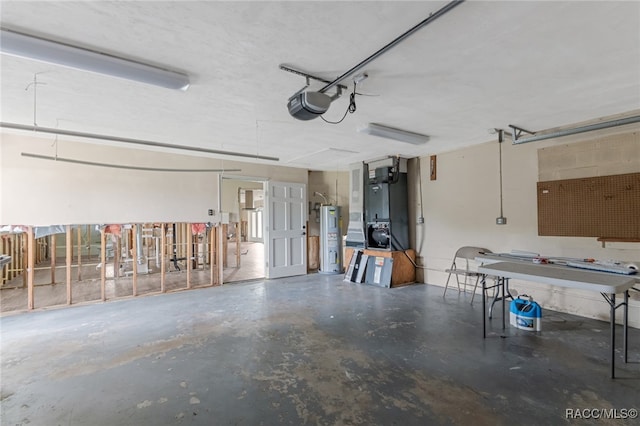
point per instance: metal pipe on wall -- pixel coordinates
(139, 248)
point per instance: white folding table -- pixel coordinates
(607, 284)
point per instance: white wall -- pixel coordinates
(461, 206)
(39, 192)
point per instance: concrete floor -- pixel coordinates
(304, 350)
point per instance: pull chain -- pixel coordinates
(35, 96)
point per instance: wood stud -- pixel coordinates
(69, 255)
(189, 255)
(26, 251)
(31, 257)
(134, 256)
(212, 254)
(103, 260)
(163, 256)
(79, 247)
(237, 245)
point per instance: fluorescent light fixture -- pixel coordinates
(40, 49)
(359, 78)
(387, 132)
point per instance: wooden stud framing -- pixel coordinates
(13, 272)
(237, 245)
(24, 249)
(68, 261)
(21, 258)
(11, 267)
(179, 240)
(163, 256)
(212, 254)
(14, 257)
(80, 253)
(134, 255)
(31, 257)
(38, 251)
(103, 260)
(195, 244)
(116, 256)
(88, 242)
(52, 255)
(2, 271)
(209, 249)
(225, 243)
(219, 249)
(186, 233)
(176, 240)
(6, 249)
(189, 254)
(18, 259)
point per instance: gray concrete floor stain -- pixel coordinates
(309, 350)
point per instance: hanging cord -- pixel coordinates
(500, 139)
(55, 141)
(397, 245)
(350, 109)
(35, 96)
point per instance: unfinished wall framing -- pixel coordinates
(85, 263)
(14, 246)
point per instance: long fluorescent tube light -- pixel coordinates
(117, 139)
(30, 47)
(387, 132)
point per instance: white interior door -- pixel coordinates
(285, 217)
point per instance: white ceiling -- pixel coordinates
(485, 64)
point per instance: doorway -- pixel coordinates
(243, 199)
(267, 235)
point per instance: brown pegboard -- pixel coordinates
(605, 206)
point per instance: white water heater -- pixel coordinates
(330, 240)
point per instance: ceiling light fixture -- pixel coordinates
(387, 132)
(39, 49)
(359, 78)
